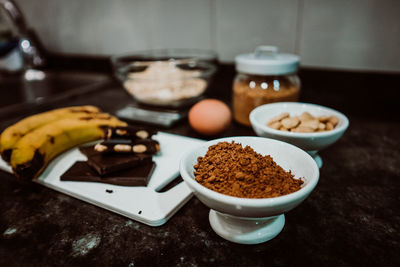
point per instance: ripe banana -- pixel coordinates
(36, 149)
(10, 136)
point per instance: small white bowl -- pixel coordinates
(310, 142)
(246, 220)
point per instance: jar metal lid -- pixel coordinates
(266, 60)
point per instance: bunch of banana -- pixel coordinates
(10, 136)
(32, 152)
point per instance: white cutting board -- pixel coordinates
(143, 204)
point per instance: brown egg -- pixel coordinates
(210, 117)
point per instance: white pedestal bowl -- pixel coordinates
(246, 220)
(310, 142)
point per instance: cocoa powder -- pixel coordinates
(230, 169)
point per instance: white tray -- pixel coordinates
(143, 204)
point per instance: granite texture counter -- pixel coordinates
(352, 218)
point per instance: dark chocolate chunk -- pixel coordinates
(88, 151)
(138, 176)
(108, 163)
(118, 141)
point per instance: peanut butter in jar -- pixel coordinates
(263, 77)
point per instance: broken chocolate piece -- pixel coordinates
(88, 151)
(129, 132)
(109, 163)
(138, 176)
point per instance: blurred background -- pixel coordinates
(362, 35)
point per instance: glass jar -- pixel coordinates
(264, 76)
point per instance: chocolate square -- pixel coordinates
(138, 176)
(109, 163)
(88, 151)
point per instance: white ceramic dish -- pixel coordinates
(310, 142)
(252, 221)
(145, 204)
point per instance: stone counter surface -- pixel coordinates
(352, 218)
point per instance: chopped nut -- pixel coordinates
(329, 126)
(275, 125)
(142, 134)
(306, 116)
(139, 148)
(100, 148)
(121, 132)
(290, 122)
(313, 124)
(323, 118)
(303, 129)
(109, 133)
(334, 120)
(279, 117)
(321, 126)
(122, 148)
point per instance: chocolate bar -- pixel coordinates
(138, 176)
(108, 163)
(129, 132)
(141, 146)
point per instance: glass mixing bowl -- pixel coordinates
(166, 77)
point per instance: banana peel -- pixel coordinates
(10, 136)
(33, 151)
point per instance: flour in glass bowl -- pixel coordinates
(163, 82)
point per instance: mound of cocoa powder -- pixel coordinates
(230, 169)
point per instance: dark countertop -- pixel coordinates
(352, 218)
